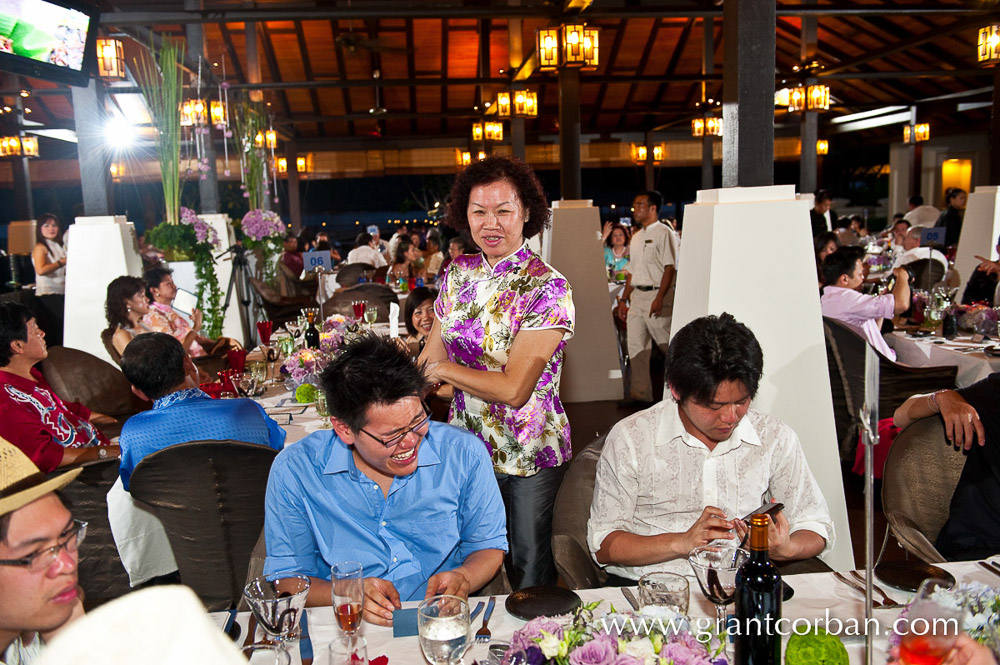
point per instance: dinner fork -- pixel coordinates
(483, 635)
(887, 601)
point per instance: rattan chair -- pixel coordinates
(920, 476)
(845, 352)
(349, 273)
(209, 495)
(926, 273)
(569, 522)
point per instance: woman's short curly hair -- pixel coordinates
(494, 169)
(119, 290)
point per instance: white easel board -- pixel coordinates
(748, 251)
(980, 229)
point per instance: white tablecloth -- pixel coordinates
(817, 597)
(973, 364)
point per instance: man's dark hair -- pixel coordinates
(900, 217)
(460, 241)
(363, 239)
(841, 262)
(823, 195)
(710, 350)
(493, 169)
(654, 197)
(916, 200)
(154, 277)
(372, 370)
(14, 319)
(154, 363)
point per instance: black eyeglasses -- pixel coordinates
(396, 440)
(39, 562)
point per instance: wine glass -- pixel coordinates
(715, 566)
(264, 330)
(248, 383)
(271, 354)
(293, 329)
(348, 592)
(348, 650)
(277, 600)
(259, 369)
(663, 594)
(443, 627)
(322, 409)
(371, 314)
(359, 309)
(932, 625)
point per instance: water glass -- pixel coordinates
(932, 625)
(348, 650)
(348, 594)
(444, 629)
(663, 594)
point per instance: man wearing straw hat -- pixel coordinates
(38, 557)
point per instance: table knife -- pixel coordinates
(475, 612)
(630, 597)
(992, 568)
(305, 644)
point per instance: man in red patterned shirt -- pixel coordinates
(52, 433)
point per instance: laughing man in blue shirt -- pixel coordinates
(415, 502)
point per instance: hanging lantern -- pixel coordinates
(304, 163)
(573, 45)
(590, 51)
(658, 150)
(10, 146)
(503, 104)
(921, 132)
(465, 158)
(713, 126)
(525, 104)
(989, 45)
(481, 155)
(117, 170)
(547, 49)
(822, 147)
(638, 153)
(29, 146)
(493, 131)
(698, 127)
(282, 165)
(110, 59)
(271, 139)
(818, 98)
(797, 99)
(258, 141)
(477, 132)
(217, 111)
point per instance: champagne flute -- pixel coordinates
(322, 409)
(715, 566)
(932, 625)
(348, 591)
(443, 627)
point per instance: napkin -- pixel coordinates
(393, 319)
(404, 623)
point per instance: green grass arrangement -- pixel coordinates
(162, 86)
(249, 120)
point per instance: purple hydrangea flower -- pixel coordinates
(684, 648)
(602, 650)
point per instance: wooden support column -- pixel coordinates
(570, 176)
(294, 197)
(93, 156)
(208, 181)
(649, 166)
(515, 56)
(809, 128)
(995, 129)
(916, 155)
(748, 93)
(707, 67)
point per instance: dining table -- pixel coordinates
(818, 598)
(973, 358)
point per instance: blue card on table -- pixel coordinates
(404, 623)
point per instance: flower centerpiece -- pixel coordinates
(304, 366)
(614, 639)
(982, 619)
(977, 318)
(263, 230)
(195, 240)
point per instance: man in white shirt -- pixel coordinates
(647, 304)
(365, 251)
(912, 251)
(682, 473)
(843, 274)
(38, 557)
(919, 214)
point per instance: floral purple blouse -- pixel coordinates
(481, 310)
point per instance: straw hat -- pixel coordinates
(21, 482)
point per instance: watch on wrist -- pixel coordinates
(102, 453)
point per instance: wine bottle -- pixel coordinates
(758, 602)
(311, 334)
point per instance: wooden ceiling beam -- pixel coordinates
(307, 68)
(272, 64)
(227, 39)
(345, 94)
(612, 58)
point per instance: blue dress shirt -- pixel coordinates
(321, 509)
(191, 415)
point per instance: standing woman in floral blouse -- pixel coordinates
(503, 320)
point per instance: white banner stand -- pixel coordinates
(980, 229)
(748, 251)
(99, 249)
(232, 325)
(572, 246)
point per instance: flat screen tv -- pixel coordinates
(52, 40)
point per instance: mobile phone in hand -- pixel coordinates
(769, 509)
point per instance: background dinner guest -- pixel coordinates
(39, 542)
(982, 285)
(920, 214)
(821, 216)
(952, 215)
(824, 244)
(413, 501)
(433, 258)
(365, 251)
(52, 433)
(404, 262)
(616, 248)
(162, 317)
(125, 306)
(456, 247)
(912, 251)
(292, 256)
(49, 259)
(503, 320)
(843, 275)
(418, 316)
